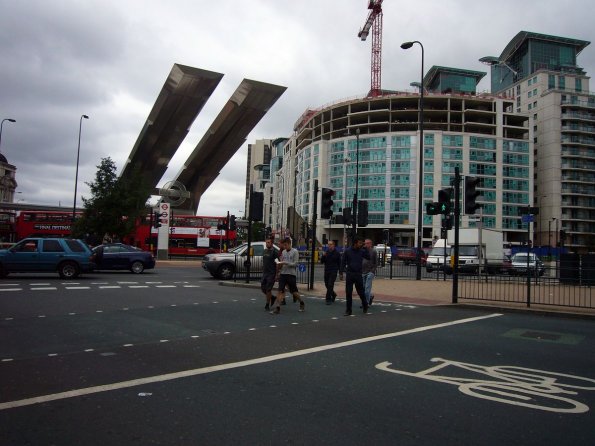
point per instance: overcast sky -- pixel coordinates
(109, 59)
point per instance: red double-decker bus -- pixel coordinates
(188, 235)
(43, 224)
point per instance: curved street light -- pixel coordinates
(2, 124)
(76, 177)
(420, 200)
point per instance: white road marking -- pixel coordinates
(191, 286)
(99, 283)
(70, 283)
(48, 288)
(138, 286)
(11, 289)
(78, 287)
(16, 284)
(41, 315)
(39, 284)
(8, 318)
(153, 283)
(166, 286)
(7, 360)
(90, 350)
(128, 345)
(71, 314)
(109, 287)
(233, 365)
(126, 283)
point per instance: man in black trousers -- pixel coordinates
(353, 258)
(332, 263)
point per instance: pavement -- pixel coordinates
(415, 292)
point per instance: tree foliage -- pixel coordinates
(114, 206)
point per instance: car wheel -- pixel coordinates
(225, 271)
(68, 270)
(137, 267)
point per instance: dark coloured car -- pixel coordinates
(67, 257)
(118, 256)
(409, 255)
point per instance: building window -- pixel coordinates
(551, 81)
(529, 107)
(529, 94)
(578, 84)
(561, 82)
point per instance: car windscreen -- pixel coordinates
(440, 251)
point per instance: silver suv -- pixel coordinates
(69, 257)
(223, 265)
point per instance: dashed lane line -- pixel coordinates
(78, 287)
(232, 365)
(47, 288)
(11, 289)
(109, 287)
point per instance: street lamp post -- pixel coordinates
(76, 177)
(406, 46)
(2, 124)
(354, 210)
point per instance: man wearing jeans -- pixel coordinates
(369, 270)
(352, 266)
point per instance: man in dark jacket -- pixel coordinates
(332, 263)
(353, 258)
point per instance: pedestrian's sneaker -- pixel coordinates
(302, 306)
(276, 310)
(266, 307)
(347, 313)
(365, 310)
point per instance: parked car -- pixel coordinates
(409, 255)
(223, 265)
(67, 257)
(113, 256)
(519, 264)
(384, 252)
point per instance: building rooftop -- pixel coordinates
(524, 36)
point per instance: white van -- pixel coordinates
(437, 256)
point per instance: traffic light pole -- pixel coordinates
(455, 250)
(314, 218)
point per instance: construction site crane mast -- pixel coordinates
(374, 22)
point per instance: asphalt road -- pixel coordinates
(170, 357)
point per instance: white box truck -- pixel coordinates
(438, 256)
(490, 256)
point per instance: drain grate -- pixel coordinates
(541, 335)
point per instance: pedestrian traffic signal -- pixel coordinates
(362, 213)
(326, 205)
(444, 197)
(232, 223)
(471, 195)
(156, 221)
(347, 217)
(447, 222)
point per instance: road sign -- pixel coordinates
(302, 267)
(527, 218)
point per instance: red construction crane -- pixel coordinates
(374, 21)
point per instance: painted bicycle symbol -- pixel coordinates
(534, 389)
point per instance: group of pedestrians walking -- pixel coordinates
(357, 264)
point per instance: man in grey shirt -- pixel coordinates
(369, 270)
(287, 264)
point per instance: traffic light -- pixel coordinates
(347, 217)
(326, 206)
(362, 213)
(471, 195)
(444, 197)
(232, 223)
(433, 208)
(256, 206)
(156, 222)
(447, 222)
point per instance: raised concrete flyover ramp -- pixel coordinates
(244, 109)
(184, 94)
